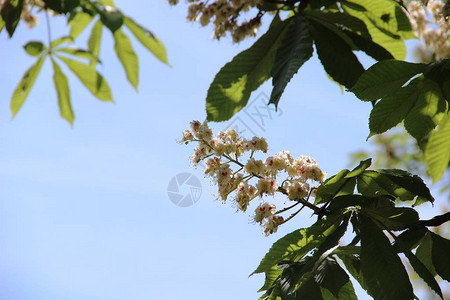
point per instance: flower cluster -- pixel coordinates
(254, 178)
(432, 25)
(224, 15)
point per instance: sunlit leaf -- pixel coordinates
(95, 40)
(24, 87)
(78, 23)
(127, 56)
(63, 92)
(437, 153)
(147, 39)
(90, 78)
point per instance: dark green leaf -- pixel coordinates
(78, 23)
(347, 292)
(34, 48)
(440, 73)
(345, 201)
(298, 243)
(232, 86)
(424, 253)
(63, 92)
(393, 108)
(393, 218)
(384, 78)
(427, 112)
(147, 39)
(437, 153)
(331, 276)
(368, 46)
(295, 49)
(420, 268)
(127, 57)
(353, 265)
(62, 6)
(90, 78)
(440, 255)
(378, 259)
(24, 87)
(334, 186)
(410, 238)
(336, 55)
(110, 16)
(10, 13)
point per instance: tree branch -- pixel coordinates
(436, 221)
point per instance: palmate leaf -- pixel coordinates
(335, 54)
(393, 108)
(147, 39)
(295, 49)
(24, 87)
(437, 152)
(232, 86)
(127, 56)
(298, 243)
(387, 23)
(80, 53)
(90, 78)
(63, 92)
(427, 111)
(384, 78)
(378, 259)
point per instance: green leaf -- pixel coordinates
(24, 87)
(80, 53)
(353, 265)
(427, 112)
(62, 6)
(437, 153)
(421, 269)
(393, 108)
(296, 48)
(378, 259)
(95, 40)
(334, 186)
(440, 257)
(402, 184)
(147, 39)
(386, 21)
(232, 86)
(10, 13)
(331, 276)
(61, 40)
(78, 23)
(34, 48)
(335, 55)
(110, 16)
(127, 56)
(346, 292)
(2, 24)
(63, 91)
(271, 276)
(90, 78)
(439, 72)
(393, 218)
(298, 243)
(424, 253)
(410, 238)
(368, 46)
(384, 78)
(363, 165)
(345, 201)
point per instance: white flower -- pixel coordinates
(263, 211)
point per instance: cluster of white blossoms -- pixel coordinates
(431, 23)
(224, 14)
(255, 178)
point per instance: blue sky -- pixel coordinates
(84, 211)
